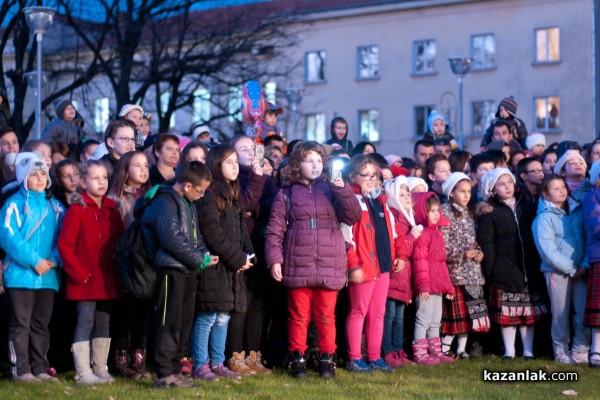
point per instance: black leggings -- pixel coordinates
(130, 316)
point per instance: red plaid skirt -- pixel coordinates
(511, 313)
(455, 317)
(591, 316)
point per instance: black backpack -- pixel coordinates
(135, 270)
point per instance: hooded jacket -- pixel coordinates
(591, 218)
(560, 237)
(345, 144)
(62, 131)
(24, 254)
(430, 273)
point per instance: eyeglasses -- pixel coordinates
(125, 139)
(368, 177)
(535, 171)
(200, 192)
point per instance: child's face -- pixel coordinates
(57, 157)
(461, 194)
(196, 154)
(123, 142)
(138, 172)
(556, 192)
(532, 175)
(549, 163)
(482, 169)
(193, 193)
(37, 181)
(277, 157)
(244, 148)
(503, 113)
(438, 127)
(387, 174)
(311, 166)
(144, 127)
(135, 116)
(367, 177)
(433, 215)
(575, 168)
(89, 152)
(9, 143)
(515, 160)
(230, 167)
(70, 113)
(96, 181)
(270, 119)
(441, 172)
(45, 153)
(537, 150)
(405, 199)
(339, 130)
(504, 187)
(368, 149)
(68, 177)
(594, 153)
(420, 188)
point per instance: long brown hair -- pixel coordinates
(301, 150)
(226, 193)
(119, 179)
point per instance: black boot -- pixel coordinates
(327, 366)
(312, 359)
(298, 365)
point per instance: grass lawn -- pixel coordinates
(460, 380)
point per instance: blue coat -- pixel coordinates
(560, 237)
(23, 255)
(591, 214)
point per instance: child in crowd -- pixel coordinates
(221, 290)
(339, 135)
(499, 236)
(437, 128)
(119, 139)
(437, 170)
(573, 167)
(63, 129)
(87, 148)
(135, 114)
(507, 110)
(416, 185)
(549, 160)
(467, 311)
(130, 318)
(400, 292)
(32, 220)
(431, 280)
(371, 258)
(66, 181)
(194, 151)
(87, 244)
(305, 249)
(536, 143)
(268, 122)
(559, 236)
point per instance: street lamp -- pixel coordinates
(460, 67)
(39, 19)
(294, 97)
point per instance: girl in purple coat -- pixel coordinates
(305, 250)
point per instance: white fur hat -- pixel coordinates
(127, 108)
(198, 130)
(489, 180)
(413, 182)
(568, 156)
(392, 190)
(26, 164)
(595, 172)
(534, 139)
(451, 181)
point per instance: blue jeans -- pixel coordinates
(208, 338)
(393, 326)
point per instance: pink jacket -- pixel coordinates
(400, 288)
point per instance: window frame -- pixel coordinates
(414, 58)
(315, 82)
(360, 135)
(546, 128)
(537, 62)
(358, 63)
(430, 107)
(484, 128)
(96, 118)
(305, 130)
(200, 102)
(475, 68)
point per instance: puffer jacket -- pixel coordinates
(500, 239)
(362, 252)
(400, 288)
(167, 238)
(61, 131)
(430, 273)
(222, 288)
(24, 254)
(591, 218)
(560, 237)
(457, 236)
(311, 248)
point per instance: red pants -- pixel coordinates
(322, 302)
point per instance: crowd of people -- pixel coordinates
(313, 256)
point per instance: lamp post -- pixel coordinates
(460, 67)
(294, 97)
(39, 19)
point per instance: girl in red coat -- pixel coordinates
(431, 280)
(87, 245)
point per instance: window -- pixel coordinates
(314, 64)
(368, 121)
(547, 45)
(164, 105)
(201, 105)
(483, 51)
(315, 127)
(484, 113)
(101, 114)
(234, 104)
(270, 92)
(421, 114)
(75, 104)
(367, 62)
(547, 113)
(424, 52)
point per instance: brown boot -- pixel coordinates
(254, 361)
(237, 364)
(121, 365)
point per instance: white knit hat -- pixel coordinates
(26, 164)
(392, 158)
(451, 181)
(534, 139)
(489, 181)
(198, 130)
(127, 108)
(595, 172)
(392, 191)
(568, 156)
(413, 182)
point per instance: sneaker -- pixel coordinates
(26, 378)
(47, 378)
(358, 365)
(221, 370)
(172, 381)
(404, 358)
(393, 359)
(204, 373)
(255, 362)
(594, 360)
(237, 363)
(380, 365)
(187, 366)
(562, 358)
(327, 366)
(580, 357)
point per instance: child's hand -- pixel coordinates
(416, 231)
(479, 256)
(424, 296)
(44, 266)
(357, 276)
(449, 296)
(471, 253)
(214, 260)
(246, 266)
(267, 169)
(276, 272)
(399, 265)
(256, 167)
(339, 182)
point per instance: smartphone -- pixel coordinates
(336, 169)
(259, 153)
(252, 258)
